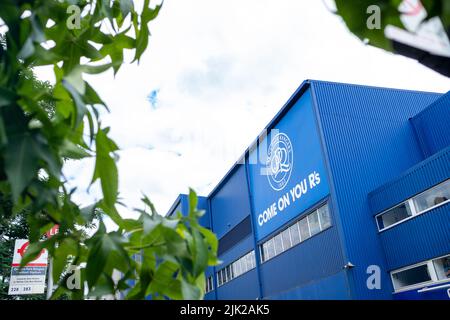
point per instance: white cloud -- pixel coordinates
(223, 69)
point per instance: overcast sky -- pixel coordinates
(216, 72)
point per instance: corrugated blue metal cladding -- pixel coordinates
(425, 236)
(432, 124)
(298, 216)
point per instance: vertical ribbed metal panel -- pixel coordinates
(432, 126)
(230, 203)
(369, 141)
(317, 258)
(237, 251)
(245, 286)
(425, 236)
(334, 287)
(422, 176)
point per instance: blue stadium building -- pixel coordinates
(344, 195)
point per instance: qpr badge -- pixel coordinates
(280, 161)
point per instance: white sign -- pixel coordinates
(280, 160)
(31, 278)
(427, 35)
(289, 197)
(412, 14)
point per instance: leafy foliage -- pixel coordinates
(355, 16)
(35, 142)
(12, 226)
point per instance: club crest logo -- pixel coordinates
(280, 160)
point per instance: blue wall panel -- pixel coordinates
(236, 252)
(369, 141)
(210, 296)
(424, 175)
(432, 126)
(287, 171)
(439, 293)
(230, 204)
(316, 258)
(181, 204)
(334, 287)
(244, 287)
(424, 237)
(203, 205)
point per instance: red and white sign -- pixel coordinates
(31, 278)
(53, 231)
(422, 32)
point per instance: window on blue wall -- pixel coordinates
(270, 249)
(304, 229)
(394, 215)
(442, 266)
(433, 197)
(411, 276)
(209, 284)
(314, 225)
(253, 258)
(286, 238)
(310, 225)
(229, 273)
(278, 244)
(295, 234)
(324, 217)
(423, 202)
(421, 274)
(236, 268)
(219, 278)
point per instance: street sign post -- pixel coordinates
(31, 278)
(50, 233)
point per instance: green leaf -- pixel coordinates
(200, 254)
(27, 49)
(79, 105)
(75, 79)
(21, 162)
(105, 168)
(33, 250)
(44, 57)
(3, 137)
(95, 69)
(37, 29)
(68, 247)
(212, 241)
(150, 223)
(192, 202)
(149, 14)
(147, 202)
(354, 14)
(7, 97)
(190, 291)
(88, 212)
(141, 41)
(104, 286)
(103, 246)
(112, 213)
(72, 150)
(126, 6)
